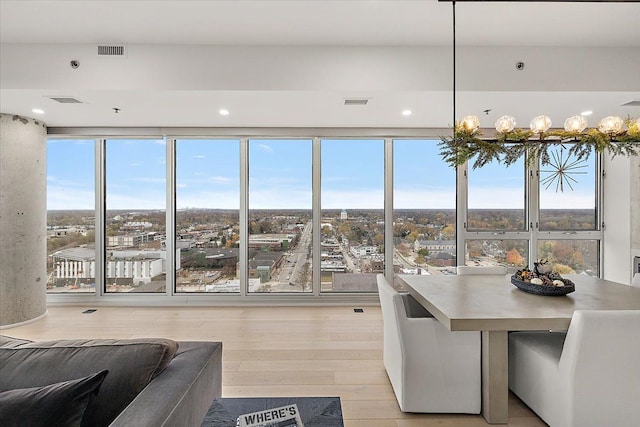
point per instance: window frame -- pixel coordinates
(171, 135)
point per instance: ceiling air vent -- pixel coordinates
(634, 103)
(361, 101)
(111, 50)
(65, 100)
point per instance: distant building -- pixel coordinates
(64, 231)
(130, 240)
(140, 266)
(232, 285)
(343, 214)
(211, 258)
(333, 266)
(264, 264)
(136, 225)
(442, 259)
(372, 264)
(354, 282)
(363, 250)
(274, 242)
(436, 245)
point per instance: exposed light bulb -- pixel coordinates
(575, 124)
(470, 123)
(611, 125)
(540, 124)
(224, 112)
(505, 124)
(586, 113)
(37, 111)
(406, 112)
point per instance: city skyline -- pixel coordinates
(208, 176)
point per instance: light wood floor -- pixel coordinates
(275, 351)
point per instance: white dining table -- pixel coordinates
(492, 305)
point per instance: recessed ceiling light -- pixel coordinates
(37, 111)
(224, 112)
(406, 112)
(586, 113)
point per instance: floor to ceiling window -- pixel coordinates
(135, 215)
(280, 256)
(207, 215)
(519, 215)
(247, 211)
(496, 216)
(352, 214)
(71, 251)
(569, 230)
(424, 209)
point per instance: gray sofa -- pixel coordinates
(135, 382)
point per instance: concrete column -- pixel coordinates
(23, 219)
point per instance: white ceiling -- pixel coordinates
(362, 49)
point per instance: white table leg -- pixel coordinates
(495, 380)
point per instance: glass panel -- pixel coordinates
(497, 197)
(568, 192)
(424, 214)
(207, 215)
(71, 249)
(280, 228)
(571, 256)
(513, 254)
(135, 216)
(352, 223)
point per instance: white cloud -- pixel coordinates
(62, 197)
(444, 198)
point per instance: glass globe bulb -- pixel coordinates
(611, 124)
(470, 123)
(540, 124)
(505, 124)
(575, 124)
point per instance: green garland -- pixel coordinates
(509, 147)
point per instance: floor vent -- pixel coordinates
(111, 50)
(358, 310)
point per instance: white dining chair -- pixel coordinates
(469, 270)
(431, 369)
(586, 377)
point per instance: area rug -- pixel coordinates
(314, 411)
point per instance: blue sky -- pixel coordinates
(207, 176)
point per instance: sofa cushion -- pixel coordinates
(131, 363)
(59, 404)
(10, 342)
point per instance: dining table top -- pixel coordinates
(493, 303)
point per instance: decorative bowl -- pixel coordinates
(546, 290)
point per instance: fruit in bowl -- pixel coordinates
(547, 282)
(542, 279)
